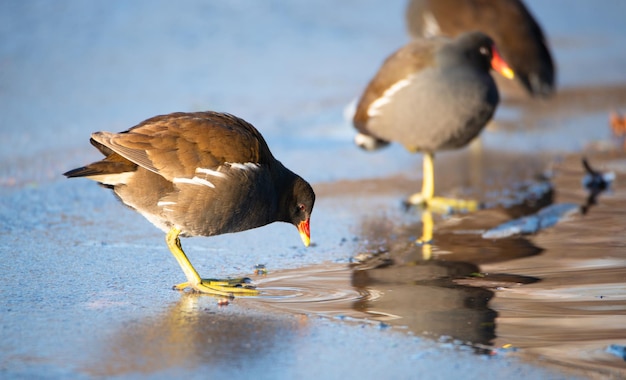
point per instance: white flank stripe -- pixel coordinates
(194, 181)
(214, 173)
(246, 166)
(374, 108)
(162, 203)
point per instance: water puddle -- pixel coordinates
(557, 294)
(324, 290)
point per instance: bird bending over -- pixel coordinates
(200, 174)
(432, 95)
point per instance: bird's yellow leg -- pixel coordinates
(225, 288)
(427, 197)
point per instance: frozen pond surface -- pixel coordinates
(85, 282)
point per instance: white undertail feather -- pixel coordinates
(368, 142)
(431, 27)
(112, 179)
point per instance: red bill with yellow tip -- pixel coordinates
(500, 65)
(305, 232)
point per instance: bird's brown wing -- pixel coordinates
(410, 59)
(175, 145)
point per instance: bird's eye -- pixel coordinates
(301, 207)
(484, 50)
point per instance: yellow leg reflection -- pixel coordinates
(225, 288)
(427, 199)
(426, 241)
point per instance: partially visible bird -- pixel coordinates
(508, 22)
(618, 127)
(200, 174)
(431, 95)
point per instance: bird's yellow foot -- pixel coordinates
(223, 288)
(441, 205)
(227, 288)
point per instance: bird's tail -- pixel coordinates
(368, 142)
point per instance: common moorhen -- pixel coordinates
(431, 95)
(200, 174)
(508, 22)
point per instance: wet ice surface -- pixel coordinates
(558, 294)
(531, 224)
(85, 282)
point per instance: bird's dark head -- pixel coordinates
(295, 202)
(300, 207)
(482, 52)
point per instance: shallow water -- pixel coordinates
(557, 295)
(79, 268)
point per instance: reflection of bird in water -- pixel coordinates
(426, 240)
(192, 333)
(431, 95)
(508, 22)
(435, 286)
(595, 182)
(200, 174)
(424, 298)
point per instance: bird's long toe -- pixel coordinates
(226, 287)
(451, 205)
(440, 205)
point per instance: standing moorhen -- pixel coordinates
(431, 95)
(200, 174)
(513, 28)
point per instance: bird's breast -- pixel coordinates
(433, 109)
